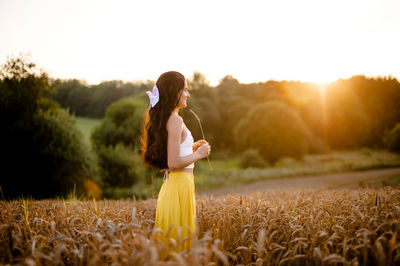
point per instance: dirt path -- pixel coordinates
(371, 178)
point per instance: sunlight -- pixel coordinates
(321, 87)
(323, 108)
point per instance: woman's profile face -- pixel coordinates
(184, 96)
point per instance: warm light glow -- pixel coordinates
(310, 40)
(321, 87)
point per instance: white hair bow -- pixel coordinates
(154, 96)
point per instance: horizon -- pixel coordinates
(219, 81)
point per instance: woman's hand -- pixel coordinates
(204, 150)
(197, 144)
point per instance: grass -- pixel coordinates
(227, 173)
(86, 125)
(25, 204)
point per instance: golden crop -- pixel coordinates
(291, 227)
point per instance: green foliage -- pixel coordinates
(74, 95)
(204, 103)
(62, 148)
(251, 158)
(392, 139)
(348, 125)
(275, 130)
(122, 124)
(209, 117)
(345, 114)
(380, 98)
(120, 166)
(231, 108)
(116, 143)
(23, 91)
(350, 113)
(93, 100)
(316, 145)
(286, 162)
(86, 125)
(42, 153)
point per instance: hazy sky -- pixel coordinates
(251, 40)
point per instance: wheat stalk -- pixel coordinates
(202, 133)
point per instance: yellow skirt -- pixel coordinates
(176, 211)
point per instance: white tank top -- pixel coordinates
(187, 146)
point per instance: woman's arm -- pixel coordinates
(174, 128)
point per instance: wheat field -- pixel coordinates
(287, 227)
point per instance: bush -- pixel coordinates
(316, 145)
(391, 139)
(116, 143)
(120, 166)
(62, 153)
(122, 124)
(286, 162)
(42, 154)
(251, 158)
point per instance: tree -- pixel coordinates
(275, 130)
(42, 152)
(230, 108)
(347, 124)
(122, 124)
(391, 138)
(93, 100)
(198, 81)
(380, 99)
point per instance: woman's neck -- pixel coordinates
(176, 110)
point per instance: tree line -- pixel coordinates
(258, 122)
(346, 114)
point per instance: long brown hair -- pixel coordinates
(154, 134)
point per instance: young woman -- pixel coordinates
(167, 145)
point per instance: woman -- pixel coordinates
(167, 145)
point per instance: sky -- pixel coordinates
(254, 41)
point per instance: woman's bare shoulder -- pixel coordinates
(174, 121)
